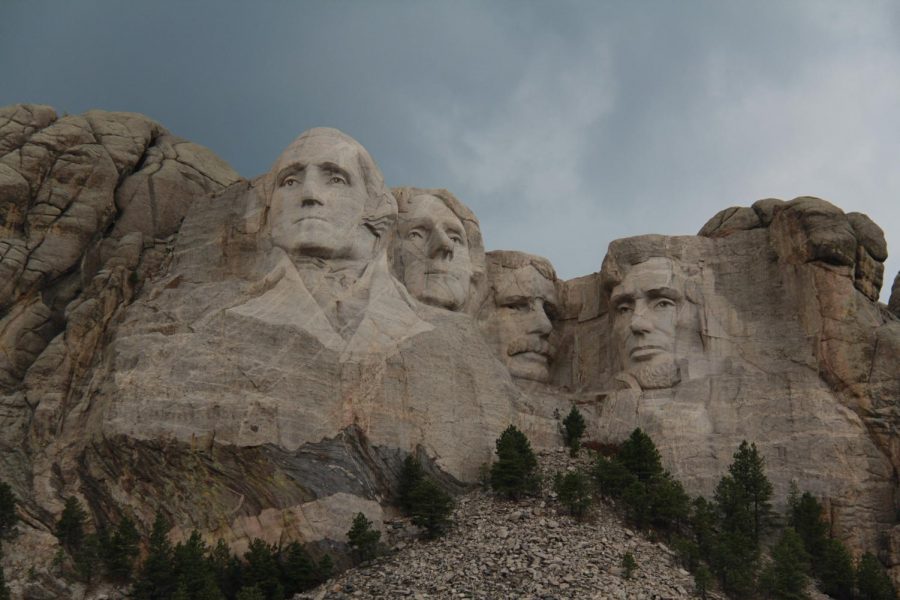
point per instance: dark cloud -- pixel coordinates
(564, 125)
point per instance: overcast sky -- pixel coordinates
(563, 125)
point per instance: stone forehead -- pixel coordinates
(525, 281)
(341, 145)
(498, 261)
(429, 202)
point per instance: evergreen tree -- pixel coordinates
(181, 593)
(120, 550)
(155, 580)
(613, 478)
(702, 581)
(748, 472)
(251, 593)
(190, 567)
(298, 570)
(325, 568)
(410, 476)
(8, 517)
(785, 577)
(703, 526)
(836, 573)
(805, 516)
(574, 427)
(515, 472)
(431, 507)
(261, 570)
(629, 565)
(639, 455)
(362, 538)
(226, 568)
(872, 583)
(670, 505)
(574, 492)
(735, 560)
(70, 527)
(88, 558)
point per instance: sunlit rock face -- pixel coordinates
(256, 358)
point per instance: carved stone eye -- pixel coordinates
(337, 179)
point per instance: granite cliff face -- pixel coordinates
(255, 358)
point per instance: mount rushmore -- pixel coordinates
(255, 358)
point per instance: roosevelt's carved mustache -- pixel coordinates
(525, 344)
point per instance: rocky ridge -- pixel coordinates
(529, 549)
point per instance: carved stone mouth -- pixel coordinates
(646, 351)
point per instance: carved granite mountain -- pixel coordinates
(256, 358)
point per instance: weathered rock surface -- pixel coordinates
(765, 328)
(245, 357)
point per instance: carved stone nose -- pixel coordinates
(441, 245)
(309, 202)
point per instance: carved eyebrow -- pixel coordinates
(289, 170)
(336, 169)
(622, 297)
(511, 299)
(664, 292)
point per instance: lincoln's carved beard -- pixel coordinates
(659, 374)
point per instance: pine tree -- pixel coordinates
(748, 472)
(785, 577)
(629, 565)
(574, 492)
(836, 573)
(704, 520)
(805, 517)
(410, 476)
(8, 517)
(612, 477)
(155, 580)
(702, 581)
(261, 570)
(431, 507)
(252, 592)
(226, 568)
(515, 472)
(325, 568)
(70, 527)
(362, 538)
(298, 570)
(190, 567)
(574, 427)
(639, 455)
(872, 583)
(120, 550)
(88, 558)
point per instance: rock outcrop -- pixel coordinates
(255, 358)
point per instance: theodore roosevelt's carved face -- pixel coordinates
(645, 309)
(524, 302)
(434, 252)
(319, 200)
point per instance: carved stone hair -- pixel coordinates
(497, 260)
(625, 254)
(380, 212)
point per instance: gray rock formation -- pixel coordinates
(256, 358)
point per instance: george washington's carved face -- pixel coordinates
(319, 200)
(434, 252)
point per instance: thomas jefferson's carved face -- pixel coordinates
(524, 302)
(319, 200)
(645, 309)
(434, 251)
